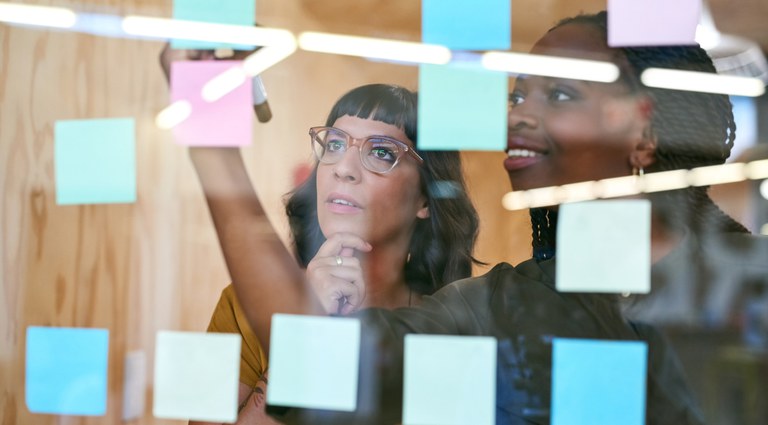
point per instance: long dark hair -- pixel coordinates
(441, 246)
(693, 129)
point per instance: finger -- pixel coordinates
(336, 242)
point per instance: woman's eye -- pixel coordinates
(334, 146)
(560, 96)
(383, 153)
(516, 98)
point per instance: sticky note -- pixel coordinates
(314, 362)
(232, 12)
(95, 161)
(66, 370)
(134, 385)
(598, 382)
(227, 121)
(196, 376)
(604, 246)
(462, 108)
(652, 22)
(449, 380)
(467, 24)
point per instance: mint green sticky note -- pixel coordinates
(467, 24)
(314, 362)
(604, 246)
(449, 380)
(232, 12)
(95, 161)
(462, 108)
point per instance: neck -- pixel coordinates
(383, 270)
(663, 239)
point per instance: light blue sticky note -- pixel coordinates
(196, 376)
(314, 362)
(604, 246)
(232, 12)
(598, 382)
(652, 22)
(66, 370)
(467, 24)
(95, 161)
(449, 380)
(462, 108)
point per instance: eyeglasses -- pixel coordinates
(379, 154)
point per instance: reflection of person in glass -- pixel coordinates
(560, 131)
(370, 224)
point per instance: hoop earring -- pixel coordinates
(638, 171)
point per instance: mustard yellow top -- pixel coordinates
(228, 317)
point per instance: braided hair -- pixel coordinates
(693, 129)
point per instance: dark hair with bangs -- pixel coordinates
(441, 245)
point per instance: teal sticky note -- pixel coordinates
(462, 108)
(598, 382)
(232, 12)
(467, 24)
(314, 362)
(95, 161)
(589, 236)
(449, 380)
(196, 376)
(66, 370)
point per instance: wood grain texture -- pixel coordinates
(138, 268)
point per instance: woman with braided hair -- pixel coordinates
(560, 131)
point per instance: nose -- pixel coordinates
(522, 116)
(348, 168)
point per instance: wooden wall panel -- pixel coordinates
(138, 268)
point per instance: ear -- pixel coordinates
(423, 212)
(644, 153)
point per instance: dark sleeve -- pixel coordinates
(380, 385)
(670, 400)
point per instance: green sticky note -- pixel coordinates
(232, 12)
(95, 161)
(462, 108)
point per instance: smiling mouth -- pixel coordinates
(522, 153)
(343, 202)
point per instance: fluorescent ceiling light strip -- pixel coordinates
(54, 17)
(266, 57)
(163, 28)
(173, 115)
(227, 81)
(756, 170)
(550, 66)
(704, 82)
(375, 48)
(582, 191)
(633, 185)
(717, 174)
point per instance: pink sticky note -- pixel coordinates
(652, 22)
(227, 121)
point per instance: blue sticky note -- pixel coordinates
(66, 370)
(449, 380)
(589, 234)
(598, 382)
(314, 362)
(232, 12)
(467, 24)
(95, 161)
(462, 108)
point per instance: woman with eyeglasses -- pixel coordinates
(373, 225)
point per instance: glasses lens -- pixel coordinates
(381, 155)
(329, 145)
